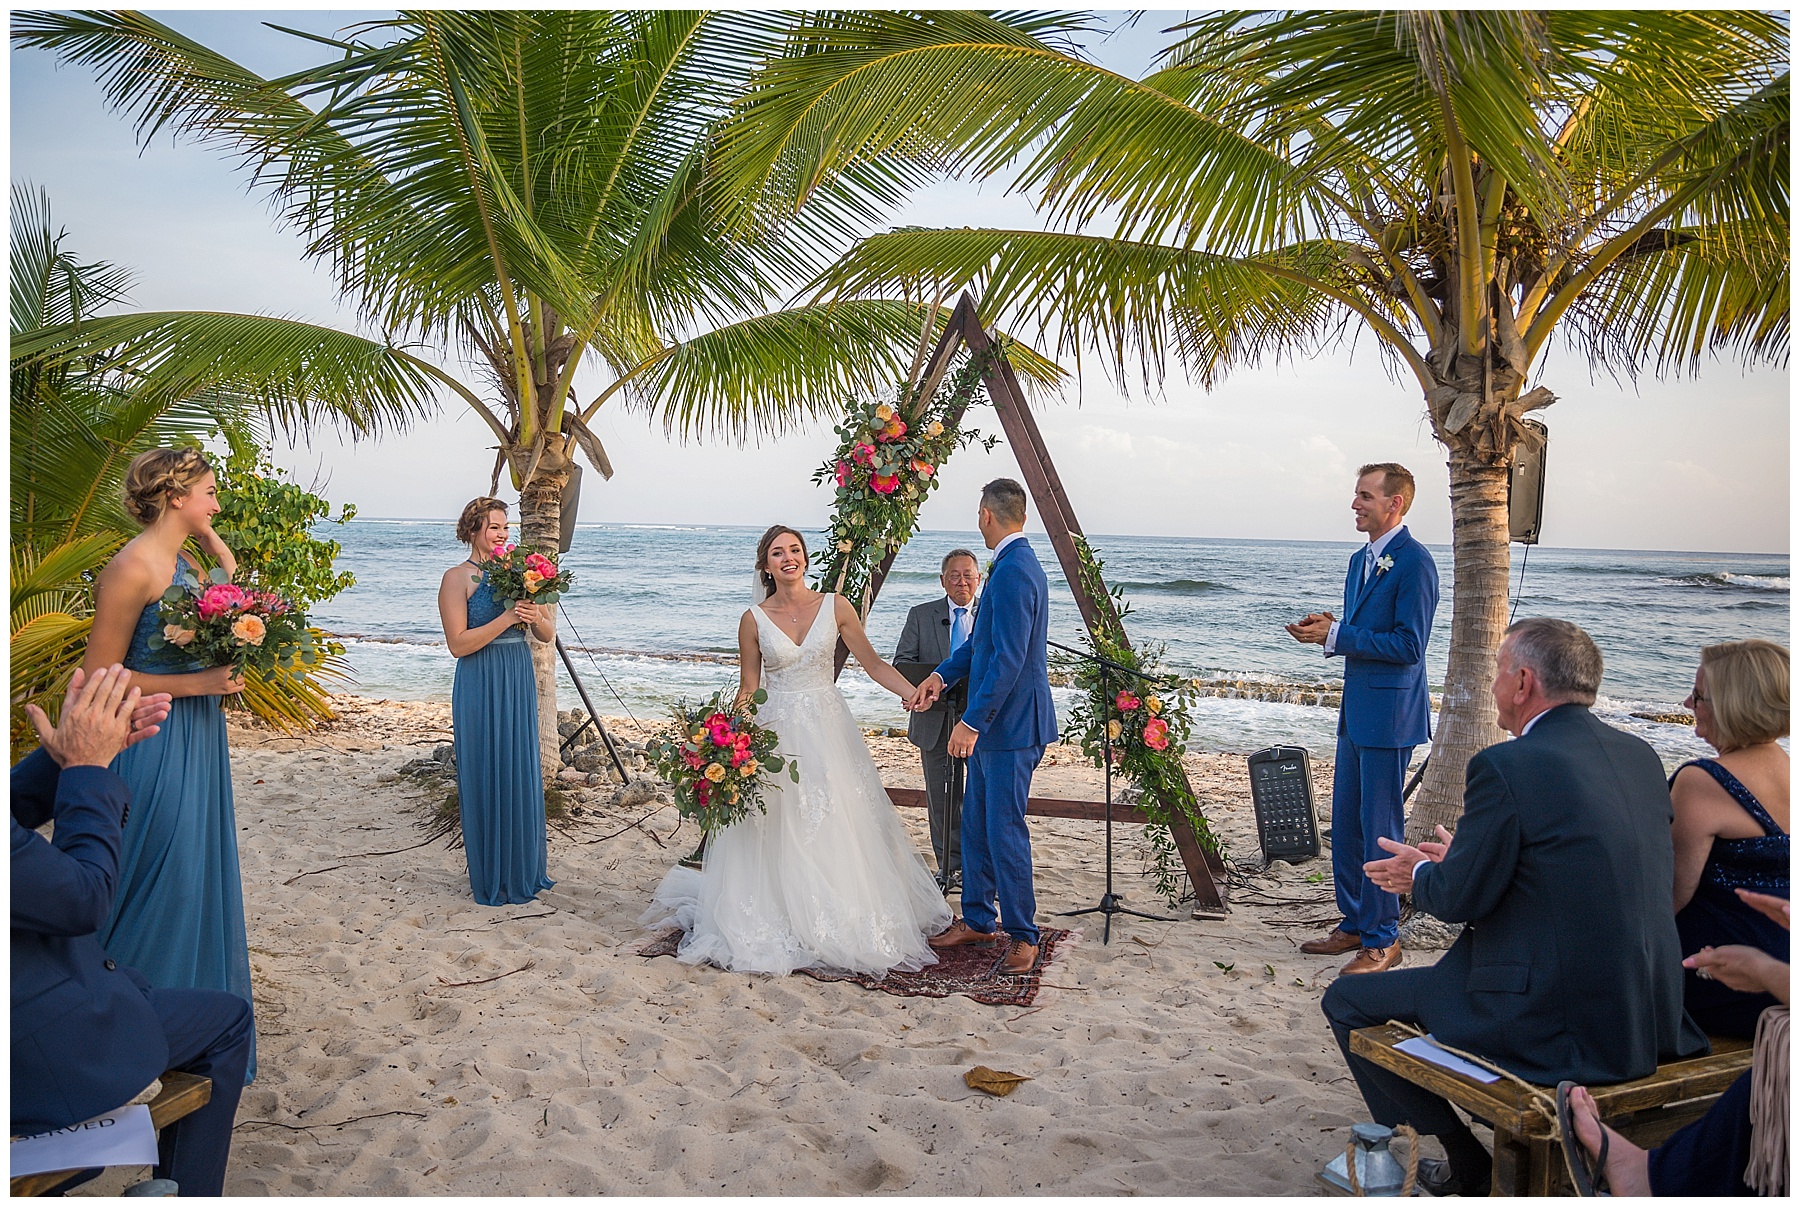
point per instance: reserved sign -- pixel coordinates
(122, 1137)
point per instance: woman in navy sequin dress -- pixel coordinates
(178, 914)
(494, 706)
(1731, 822)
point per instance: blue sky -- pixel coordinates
(1698, 462)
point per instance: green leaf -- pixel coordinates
(759, 697)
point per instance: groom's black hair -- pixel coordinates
(1006, 499)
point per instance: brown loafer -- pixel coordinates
(1373, 959)
(1334, 944)
(1021, 958)
(961, 933)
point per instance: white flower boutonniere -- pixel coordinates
(1383, 564)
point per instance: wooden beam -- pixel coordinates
(1042, 806)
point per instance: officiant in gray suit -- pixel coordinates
(933, 632)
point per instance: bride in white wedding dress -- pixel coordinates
(827, 877)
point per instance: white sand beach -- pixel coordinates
(412, 1042)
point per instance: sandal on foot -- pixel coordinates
(1587, 1173)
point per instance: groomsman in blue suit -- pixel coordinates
(1390, 598)
(1008, 721)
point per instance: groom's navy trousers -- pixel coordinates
(1011, 711)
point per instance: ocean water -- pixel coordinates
(653, 617)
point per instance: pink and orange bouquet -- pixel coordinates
(716, 758)
(518, 575)
(222, 623)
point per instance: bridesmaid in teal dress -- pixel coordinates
(178, 915)
(494, 706)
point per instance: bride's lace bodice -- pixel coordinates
(806, 667)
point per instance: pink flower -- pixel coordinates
(922, 468)
(896, 428)
(1156, 733)
(738, 757)
(843, 473)
(692, 760)
(885, 484)
(221, 598)
(863, 454)
(1125, 701)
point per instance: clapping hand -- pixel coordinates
(1775, 907)
(1313, 628)
(101, 716)
(1395, 875)
(1745, 969)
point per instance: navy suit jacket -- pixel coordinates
(1006, 659)
(1382, 638)
(85, 1038)
(1564, 870)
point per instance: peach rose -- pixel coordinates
(715, 772)
(174, 634)
(249, 630)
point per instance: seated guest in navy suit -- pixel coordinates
(87, 1034)
(1569, 968)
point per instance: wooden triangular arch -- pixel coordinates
(1205, 871)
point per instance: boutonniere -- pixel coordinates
(1384, 563)
(989, 572)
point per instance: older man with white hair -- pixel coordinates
(1562, 865)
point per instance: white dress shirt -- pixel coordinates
(1008, 539)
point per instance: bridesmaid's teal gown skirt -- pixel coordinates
(499, 775)
(178, 915)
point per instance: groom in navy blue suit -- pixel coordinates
(1390, 599)
(1009, 720)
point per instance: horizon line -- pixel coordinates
(1133, 535)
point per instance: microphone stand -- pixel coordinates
(1109, 900)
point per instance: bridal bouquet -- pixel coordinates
(716, 758)
(525, 576)
(223, 623)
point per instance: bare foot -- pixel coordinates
(1627, 1169)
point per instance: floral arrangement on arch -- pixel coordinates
(716, 757)
(885, 467)
(1147, 724)
(224, 623)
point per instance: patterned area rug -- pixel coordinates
(972, 971)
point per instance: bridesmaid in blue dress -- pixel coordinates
(178, 915)
(494, 706)
(1731, 823)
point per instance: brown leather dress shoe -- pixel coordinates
(1336, 943)
(961, 933)
(1373, 959)
(1021, 958)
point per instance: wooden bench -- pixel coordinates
(1528, 1159)
(182, 1094)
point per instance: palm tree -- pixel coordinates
(90, 391)
(532, 190)
(1464, 186)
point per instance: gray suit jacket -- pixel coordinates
(926, 638)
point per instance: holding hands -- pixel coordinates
(1312, 629)
(1395, 875)
(101, 716)
(924, 695)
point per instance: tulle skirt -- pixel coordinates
(499, 773)
(827, 877)
(178, 915)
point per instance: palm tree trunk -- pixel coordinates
(540, 527)
(1466, 724)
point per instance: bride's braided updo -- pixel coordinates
(762, 555)
(158, 476)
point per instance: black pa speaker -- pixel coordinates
(571, 505)
(1281, 790)
(1525, 487)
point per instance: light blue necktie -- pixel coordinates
(957, 634)
(1368, 563)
